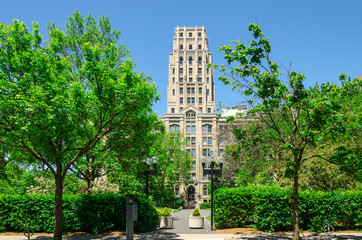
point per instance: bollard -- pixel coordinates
(131, 215)
(29, 233)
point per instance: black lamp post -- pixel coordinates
(148, 172)
(212, 159)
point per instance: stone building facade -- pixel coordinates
(191, 106)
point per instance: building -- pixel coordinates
(191, 106)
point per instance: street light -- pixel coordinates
(148, 162)
(212, 159)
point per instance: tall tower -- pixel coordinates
(191, 104)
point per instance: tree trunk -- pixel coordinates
(295, 203)
(58, 207)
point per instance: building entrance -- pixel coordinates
(191, 196)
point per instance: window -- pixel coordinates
(181, 100)
(188, 90)
(226, 141)
(174, 128)
(173, 71)
(181, 108)
(181, 70)
(188, 151)
(190, 34)
(181, 90)
(181, 79)
(188, 140)
(193, 100)
(207, 79)
(204, 152)
(190, 79)
(207, 71)
(190, 114)
(199, 47)
(209, 110)
(209, 141)
(199, 79)
(193, 152)
(173, 80)
(200, 100)
(188, 129)
(207, 91)
(181, 60)
(190, 70)
(190, 60)
(181, 47)
(200, 90)
(205, 178)
(221, 141)
(190, 47)
(177, 191)
(200, 109)
(172, 110)
(193, 164)
(200, 71)
(193, 90)
(206, 129)
(193, 140)
(221, 151)
(193, 175)
(173, 92)
(199, 34)
(199, 61)
(204, 190)
(181, 34)
(188, 100)
(193, 129)
(204, 140)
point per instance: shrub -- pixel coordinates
(196, 213)
(165, 212)
(96, 213)
(270, 208)
(205, 205)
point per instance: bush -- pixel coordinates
(196, 213)
(205, 205)
(87, 213)
(270, 208)
(165, 212)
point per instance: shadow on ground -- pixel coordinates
(307, 237)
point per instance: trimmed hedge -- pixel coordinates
(270, 208)
(205, 205)
(87, 213)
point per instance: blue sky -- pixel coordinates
(321, 38)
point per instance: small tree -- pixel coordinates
(288, 117)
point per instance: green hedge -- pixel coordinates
(87, 213)
(270, 208)
(205, 205)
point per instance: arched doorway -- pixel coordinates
(191, 196)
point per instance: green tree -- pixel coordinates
(291, 118)
(75, 93)
(174, 164)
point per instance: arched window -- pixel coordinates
(199, 61)
(204, 191)
(177, 190)
(181, 60)
(206, 129)
(181, 47)
(174, 128)
(190, 47)
(188, 129)
(193, 129)
(190, 114)
(190, 60)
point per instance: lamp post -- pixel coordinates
(212, 159)
(148, 162)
